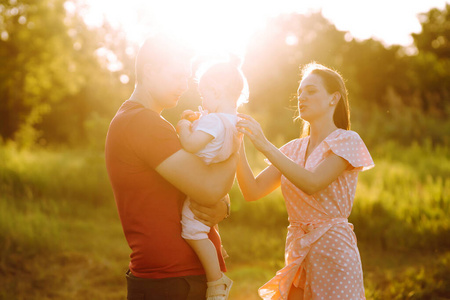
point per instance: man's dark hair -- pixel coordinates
(158, 51)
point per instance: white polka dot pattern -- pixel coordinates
(322, 257)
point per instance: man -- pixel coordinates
(151, 175)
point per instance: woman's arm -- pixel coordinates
(255, 188)
(308, 181)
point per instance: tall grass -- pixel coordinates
(67, 174)
(57, 215)
(38, 185)
(405, 201)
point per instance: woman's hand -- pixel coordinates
(211, 215)
(252, 129)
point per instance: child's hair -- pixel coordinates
(229, 75)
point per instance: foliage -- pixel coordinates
(37, 64)
(52, 79)
(435, 35)
(57, 220)
(383, 83)
(61, 80)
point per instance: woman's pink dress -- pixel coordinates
(322, 257)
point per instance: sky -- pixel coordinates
(212, 24)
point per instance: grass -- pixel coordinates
(60, 236)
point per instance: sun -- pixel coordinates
(209, 26)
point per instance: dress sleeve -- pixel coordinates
(286, 149)
(351, 147)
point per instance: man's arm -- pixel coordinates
(211, 215)
(205, 184)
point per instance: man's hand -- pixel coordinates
(211, 215)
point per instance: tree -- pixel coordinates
(272, 63)
(53, 78)
(435, 34)
(37, 57)
(432, 63)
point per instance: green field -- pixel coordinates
(60, 236)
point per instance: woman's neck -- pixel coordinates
(319, 131)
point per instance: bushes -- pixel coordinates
(401, 207)
(77, 175)
(402, 203)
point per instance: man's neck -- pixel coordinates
(142, 96)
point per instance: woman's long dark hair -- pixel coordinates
(333, 82)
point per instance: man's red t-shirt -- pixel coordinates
(149, 207)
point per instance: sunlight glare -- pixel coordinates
(209, 26)
(226, 26)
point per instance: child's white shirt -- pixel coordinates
(213, 125)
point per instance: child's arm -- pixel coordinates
(192, 141)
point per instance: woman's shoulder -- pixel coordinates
(349, 145)
(293, 144)
(342, 134)
(346, 140)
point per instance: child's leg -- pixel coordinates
(207, 254)
(195, 234)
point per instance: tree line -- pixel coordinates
(61, 81)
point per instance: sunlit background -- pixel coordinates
(66, 66)
(219, 25)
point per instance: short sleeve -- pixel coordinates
(211, 124)
(286, 149)
(351, 147)
(152, 138)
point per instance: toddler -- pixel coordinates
(213, 137)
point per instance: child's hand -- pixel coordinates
(190, 115)
(183, 123)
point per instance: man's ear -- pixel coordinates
(147, 70)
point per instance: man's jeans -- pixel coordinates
(175, 288)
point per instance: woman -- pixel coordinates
(318, 175)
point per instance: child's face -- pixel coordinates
(209, 95)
